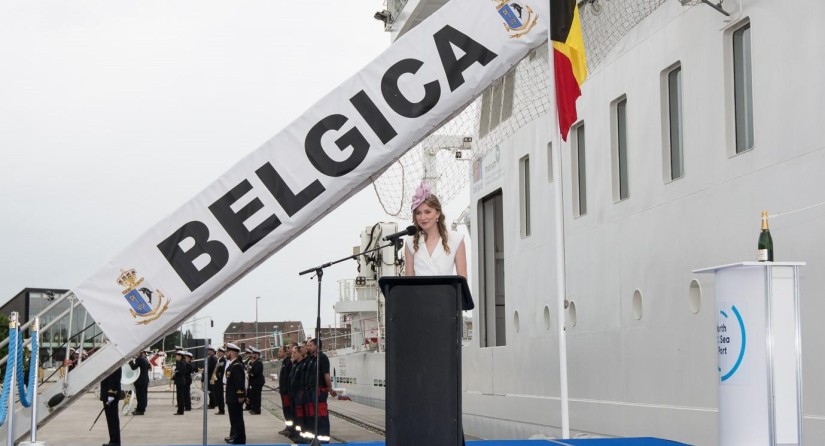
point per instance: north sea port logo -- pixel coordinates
(731, 341)
(519, 18)
(147, 303)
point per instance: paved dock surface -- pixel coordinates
(160, 427)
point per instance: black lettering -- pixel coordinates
(290, 202)
(183, 261)
(473, 52)
(376, 120)
(322, 162)
(233, 222)
(397, 101)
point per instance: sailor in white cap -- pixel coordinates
(142, 383)
(180, 381)
(235, 395)
(256, 381)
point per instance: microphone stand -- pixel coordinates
(319, 273)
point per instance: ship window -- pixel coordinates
(524, 195)
(491, 266)
(618, 112)
(742, 88)
(672, 123)
(579, 172)
(497, 103)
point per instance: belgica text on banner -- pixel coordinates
(329, 153)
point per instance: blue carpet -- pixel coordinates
(647, 441)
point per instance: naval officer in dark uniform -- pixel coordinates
(256, 382)
(187, 388)
(235, 395)
(211, 364)
(109, 394)
(142, 383)
(217, 380)
(179, 379)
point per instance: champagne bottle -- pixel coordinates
(765, 245)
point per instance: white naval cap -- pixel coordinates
(231, 346)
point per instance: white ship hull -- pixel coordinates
(641, 345)
(648, 365)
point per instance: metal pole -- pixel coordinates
(69, 334)
(256, 321)
(83, 334)
(34, 364)
(205, 384)
(561, 285)
(13, 326)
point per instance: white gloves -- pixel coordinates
(110, 399)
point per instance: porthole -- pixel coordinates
(637, 305)
(546, 317)
(571, 314)
(695, 296)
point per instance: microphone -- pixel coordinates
(409, 231)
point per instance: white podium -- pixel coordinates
(759, 351)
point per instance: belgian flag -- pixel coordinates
(568, 59)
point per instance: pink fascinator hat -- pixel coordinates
(421, 194)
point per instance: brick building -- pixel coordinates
(243, 334)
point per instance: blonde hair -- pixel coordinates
(433, 202)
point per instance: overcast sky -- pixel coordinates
(93, 92)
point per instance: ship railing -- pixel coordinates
(360, 335)
(270, 342)
(358, 289)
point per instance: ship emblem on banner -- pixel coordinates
(147, 303)
(518, 19)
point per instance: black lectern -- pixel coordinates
(424, 322)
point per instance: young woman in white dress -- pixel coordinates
(434, 250)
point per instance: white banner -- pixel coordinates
(329, 153)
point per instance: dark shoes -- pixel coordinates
(178, 413)
(137, 413)
(254, 412)
(220, 412)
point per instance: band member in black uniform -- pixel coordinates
(142, 383)
(187, 388)
(211, 365)
(217, 381)
(235, 396)
(320, 360)
(256, 381)
(179, 379)
(284, 354)
(296, 390)
(109, 394)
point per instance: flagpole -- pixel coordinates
(561, 285)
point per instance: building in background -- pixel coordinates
(55, 339)
(269, 335)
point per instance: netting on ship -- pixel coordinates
(514, 100)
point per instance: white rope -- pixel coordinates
(797, 210)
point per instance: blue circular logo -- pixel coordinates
(731, 341)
